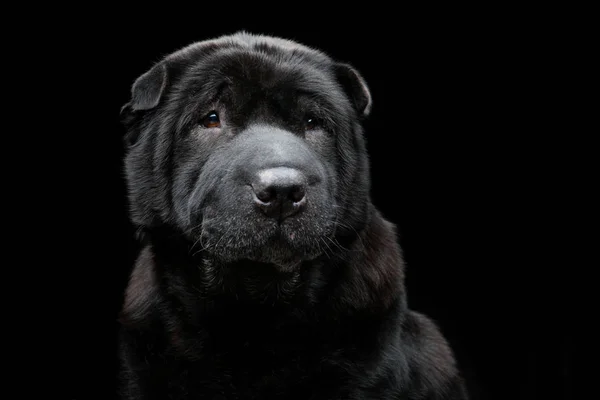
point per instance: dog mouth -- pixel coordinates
(285, 245)
(283, 248)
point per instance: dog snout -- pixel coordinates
(280, 192)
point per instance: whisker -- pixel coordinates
(202, 248)
(324, 242)
(223, 235)
(336, 243)
(199, 240)
(343, 225)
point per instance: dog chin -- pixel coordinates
(281, 245)
(283, 255)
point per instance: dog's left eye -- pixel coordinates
(211, 120)
(311, 123)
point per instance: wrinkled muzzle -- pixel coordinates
(265, 196)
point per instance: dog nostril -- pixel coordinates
(271, 193)
(297, 194)
(266, 195)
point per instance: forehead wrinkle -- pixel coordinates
(257, 79)
(236, 63)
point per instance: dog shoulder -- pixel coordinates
(433, 364)
(142, 293)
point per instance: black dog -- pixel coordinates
(267, 273)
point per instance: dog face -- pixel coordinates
(249, 146)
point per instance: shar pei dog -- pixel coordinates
(265, 270)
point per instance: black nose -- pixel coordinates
(279, 192)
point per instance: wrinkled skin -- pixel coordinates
(266, 272)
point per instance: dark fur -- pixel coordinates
(225, 303)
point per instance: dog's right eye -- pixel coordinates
(311, 123)
(211, 120)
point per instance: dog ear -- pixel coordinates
(146, 92)
(356, 88)
(148, 89)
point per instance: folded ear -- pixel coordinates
(355, 87)
(146, 91)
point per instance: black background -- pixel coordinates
(450, 144)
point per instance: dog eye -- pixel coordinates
(211, 120)
(311, 123)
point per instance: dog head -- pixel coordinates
(250, 147)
